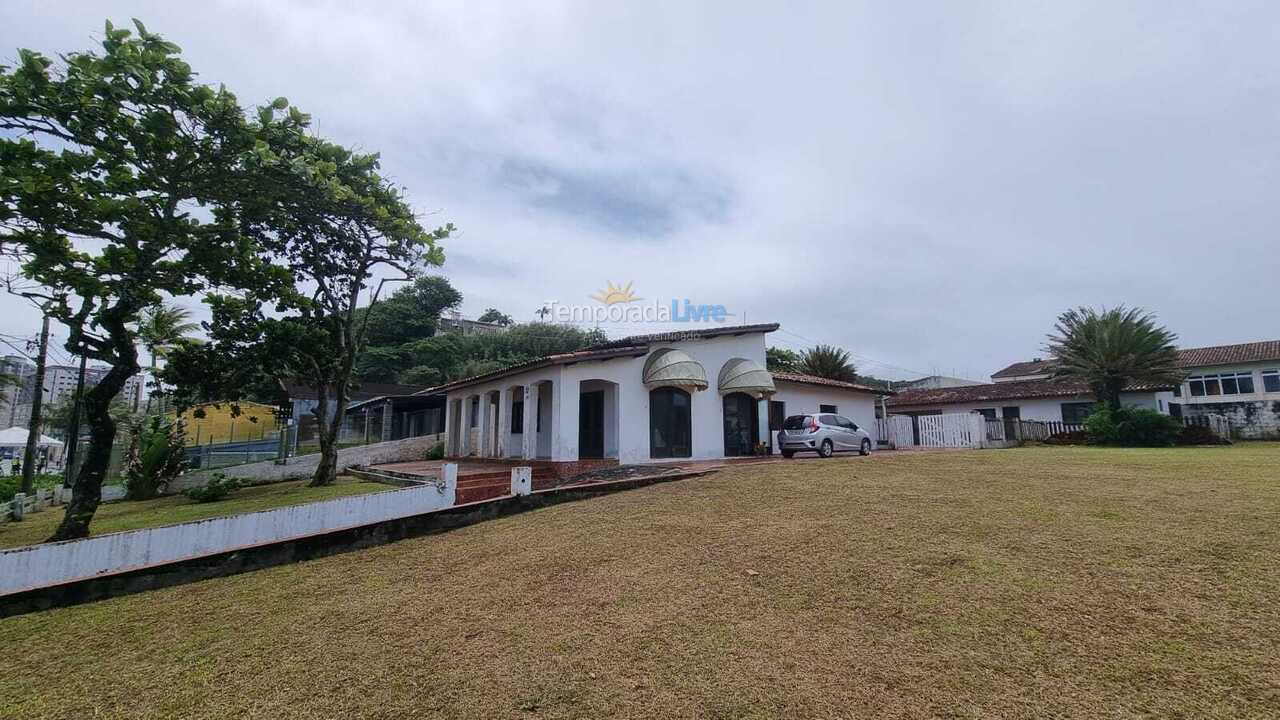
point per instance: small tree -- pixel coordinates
(119, 178)
(1112, 349)
(161, 329)
(781, 359)
(828, 361)
(496, 316)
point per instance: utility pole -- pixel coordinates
(37, 399)
(73, 436)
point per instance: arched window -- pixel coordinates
(670, 423)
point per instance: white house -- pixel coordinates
(696, 394)
(1240, 382)
(1066, 401)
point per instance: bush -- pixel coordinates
(156, 455)
(1199, 435)
(1132, 427)
(218, 488)
(436, 452)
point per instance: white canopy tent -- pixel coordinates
(17, 437)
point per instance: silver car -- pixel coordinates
(823, 433)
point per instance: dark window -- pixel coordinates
(1076, 413)
(777, 412)
(988, 413)
(1197, 387)
(1175, 409)
(796, 422)
(537, 419)
(1271, 381)
(1177, 391)
(475, 412)
(827, 409)
(1212, 387)
(517, 417)
(1230, 386)
(1011, 412)
(670, 423)
(1246, 384)
(828, 420)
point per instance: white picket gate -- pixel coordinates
(956, 430)
(895, 431)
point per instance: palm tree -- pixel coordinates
(161, 328)
(1111, 349)
(827, 361)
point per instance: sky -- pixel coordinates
(925, 184)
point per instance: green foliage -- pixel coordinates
(155, 457)
(781, 360)
(58, 416)
(828, 361)
(1112, 349)
(11, 485)
(1131, 427)
(436, 452)
(496, 316)
(218, 488)
(410, 313)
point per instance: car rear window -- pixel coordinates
(795, 422)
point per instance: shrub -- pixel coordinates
(436, 452)
(156, 455)
(218, 488)
(1199, 435)
(1132, 427)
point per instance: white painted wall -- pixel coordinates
(1042, 409)
(37, 566)
(803, 398)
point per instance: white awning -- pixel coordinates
(668, 367)
(745, 376)
(17, 437)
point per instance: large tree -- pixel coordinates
(119, 177)
(1111, 349)
(827, 361)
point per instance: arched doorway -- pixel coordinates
(741, 424)
(670, 423)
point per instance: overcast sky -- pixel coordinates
(927, 185)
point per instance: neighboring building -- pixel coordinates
(13, 395)
(455, 323)
(1061, 400)
(302, 399)
(934, 382)
(60, 385)
(1037, 369)
(1240, 382)
(696, 394)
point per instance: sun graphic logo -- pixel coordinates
(615, 294)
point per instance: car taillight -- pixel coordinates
(813, 425)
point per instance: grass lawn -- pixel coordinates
(115, 517)
(1039, 582)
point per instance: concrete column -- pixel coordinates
(387, 416)
(504, 421)
(762, 413)
(449, 449)
(464, 429)
(485, 431)
(530, 437)
(562, 447)
(521, 480)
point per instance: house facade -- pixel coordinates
(690, 395)
(1240, 382)
(1045, 400)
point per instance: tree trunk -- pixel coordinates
(1111, 394)
(86, 491)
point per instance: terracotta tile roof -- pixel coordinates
(815, 380)
(1030, 367)
(694, 334)
(1229, 354)
(994, 392)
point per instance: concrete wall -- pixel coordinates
(305, 465)
(36, 566)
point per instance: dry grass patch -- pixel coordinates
(1047, 582)
(121, 516)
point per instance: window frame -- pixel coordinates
(1272, 378)
(828, 409)
(1224, 384)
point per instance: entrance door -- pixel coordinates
(670, 423)
(591, 424)
(741, 424)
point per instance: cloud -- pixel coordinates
(926, 185)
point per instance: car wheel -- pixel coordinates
(788, 454)
(866, 447)
(825, 449)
